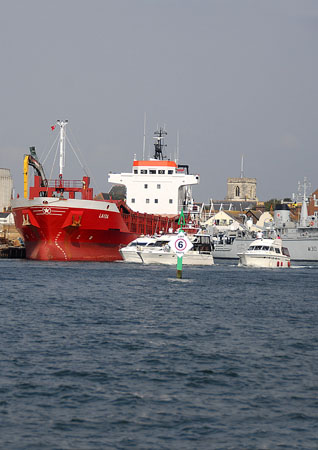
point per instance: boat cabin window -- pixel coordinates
(133, 244)
(162, 243)
(146, 186)
(132, 200)
(258, 247)
(170, 172)
(158, 186)
(147, 200)
(161, 172)
(277, 250)
(135, 170)
(158, 244)
(285, 251)
(156, 200)
(271, 249)
(170, 200)
(265, 247)
(251, 247)
(144, 171)
(152, 171)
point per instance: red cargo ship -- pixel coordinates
(56, 225)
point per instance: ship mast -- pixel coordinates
(62, 124)
(304, 210)
(159, 136)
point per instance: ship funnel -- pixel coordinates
(281, 215)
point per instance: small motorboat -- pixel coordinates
(268, 253)
(160, 252)
(130, 252)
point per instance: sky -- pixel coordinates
(230, 77)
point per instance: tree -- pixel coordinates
(270, 204)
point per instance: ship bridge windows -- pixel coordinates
(277, 250)
(170, 172)
(161, 172)
(152, 171)
(144, 171)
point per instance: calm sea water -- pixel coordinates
(113, 355)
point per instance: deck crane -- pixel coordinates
(32, 160)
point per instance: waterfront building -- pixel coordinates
(6, 186)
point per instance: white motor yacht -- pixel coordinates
(268, 253)
(160, 252)
(130, 252)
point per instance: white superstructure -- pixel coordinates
(157, 185)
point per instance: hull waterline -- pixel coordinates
(71, 230)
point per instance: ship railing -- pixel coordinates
(65, 184)
(148, 224)
(194, 212)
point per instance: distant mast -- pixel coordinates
(62, 124)
(144, 140)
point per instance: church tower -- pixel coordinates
(241, 189)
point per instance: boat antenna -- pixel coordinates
(62, 124)
(178, 147)
(144, 141)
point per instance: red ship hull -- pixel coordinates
(79, 230)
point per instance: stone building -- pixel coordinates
(6, 186)
(241, 189)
